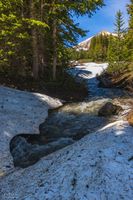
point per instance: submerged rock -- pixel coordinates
(109, 109)
(25, 154)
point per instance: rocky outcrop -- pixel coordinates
(109, 109)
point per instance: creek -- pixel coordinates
(70, 122)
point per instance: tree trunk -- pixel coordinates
(54, 49)
(34, 44)
(41, 41)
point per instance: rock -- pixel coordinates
(73, 120)
(130, 118)
(22, 152)
(25, 154)
(109, 109)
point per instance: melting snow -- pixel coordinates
(20, 112)
(95, 168)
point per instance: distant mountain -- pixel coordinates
(85, 45)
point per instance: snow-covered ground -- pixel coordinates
(88, 73)
(95, 168)
(93, 68)
(98, 167)
(20, 112)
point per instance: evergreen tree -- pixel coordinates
(35, 34)
(129, 37)
(117, 47)
(99, 47)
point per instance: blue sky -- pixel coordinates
(104, 18)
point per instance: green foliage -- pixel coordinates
(97, 51)
(26, 35)
(117, 51)
(129, 36)
(99, 47)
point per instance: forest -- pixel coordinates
(66, 114)
(116, 48)
(37, 39)
(35, 35)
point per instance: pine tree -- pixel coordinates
(35, 34)
(129, 38)
(117, 48)
(99, 47)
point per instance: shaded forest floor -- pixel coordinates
(67, 89)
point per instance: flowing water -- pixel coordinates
(88, 73)
(70, 122)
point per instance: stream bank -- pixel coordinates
(122, 80)
(99, 166)
(70, 122)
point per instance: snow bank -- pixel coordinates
(93, 68)
(97, 167)
(88, 72)
(20, 112)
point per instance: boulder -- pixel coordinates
(109, 109)
(25, 154)
(130, 118)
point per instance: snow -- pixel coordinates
(92, 67)
(95, 168)
(85, 45)
(20, 112)
(87, 72)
